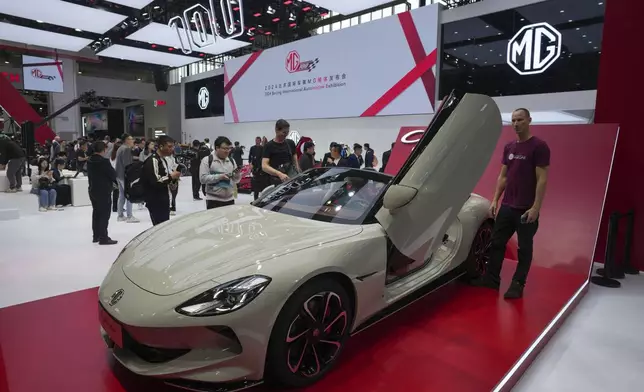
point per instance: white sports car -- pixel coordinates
(271, 291)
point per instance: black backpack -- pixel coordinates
(134, 184)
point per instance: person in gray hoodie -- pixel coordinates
(123, 159)
(220, 174)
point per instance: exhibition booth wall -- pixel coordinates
(363, 95)
(619, 101)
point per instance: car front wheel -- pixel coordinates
(309, 334)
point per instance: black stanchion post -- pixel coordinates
(616, 271)
(606, 279)
(628, 244)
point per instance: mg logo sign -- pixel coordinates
(292, 62)
(203, 98)
(208, 28)
(534, 49)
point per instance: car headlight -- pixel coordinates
(225, 298)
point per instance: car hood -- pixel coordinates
(196, 248)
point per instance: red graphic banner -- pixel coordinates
(21, 110)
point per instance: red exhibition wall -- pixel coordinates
(619, 100)
(577, 182)
(16, 105)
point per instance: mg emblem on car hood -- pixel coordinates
(116, 297)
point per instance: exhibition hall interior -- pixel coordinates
(321, 195)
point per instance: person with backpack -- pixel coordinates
(156, 178)
(220, 174)
(102, 178)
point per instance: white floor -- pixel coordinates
(52, 253)
(599, 348)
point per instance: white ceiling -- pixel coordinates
(138, 4)
(147, 56)
(161, 34)
(347, 7)
(61, 13)
(46, 39)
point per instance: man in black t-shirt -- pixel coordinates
(280, 156)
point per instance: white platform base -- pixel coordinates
(4, 181)
(9, 214)
(80, 191)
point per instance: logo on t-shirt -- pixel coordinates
(519, 157)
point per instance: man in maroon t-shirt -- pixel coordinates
(522, 182)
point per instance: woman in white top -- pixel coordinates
(171, 161)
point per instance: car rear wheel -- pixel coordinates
(309, 334)
(479, 255)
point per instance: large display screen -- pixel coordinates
(42, 74)
(135, 120)
(96, 121)
(205, 97)
(384, 67)
(550, 46)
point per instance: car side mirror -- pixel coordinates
(398, 196)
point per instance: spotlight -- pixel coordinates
(292, 17)
(270, 10)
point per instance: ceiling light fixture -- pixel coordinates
(270, 10)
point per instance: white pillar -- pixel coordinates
(68, 124)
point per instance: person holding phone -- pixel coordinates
(156, 177)
(522, 182)
(219, 174)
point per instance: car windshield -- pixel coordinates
(337, 195)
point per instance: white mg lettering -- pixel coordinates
(206, 25)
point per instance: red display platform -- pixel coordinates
(457, 339)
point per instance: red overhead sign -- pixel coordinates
(12, 77)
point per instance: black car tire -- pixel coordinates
(476, 262)
(282, 356)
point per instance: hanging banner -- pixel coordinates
(384, 67)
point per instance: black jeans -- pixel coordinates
(196, 184)
(159, 211)
(115, 200)
(210, 204)
(508, 221)
(101, 211)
